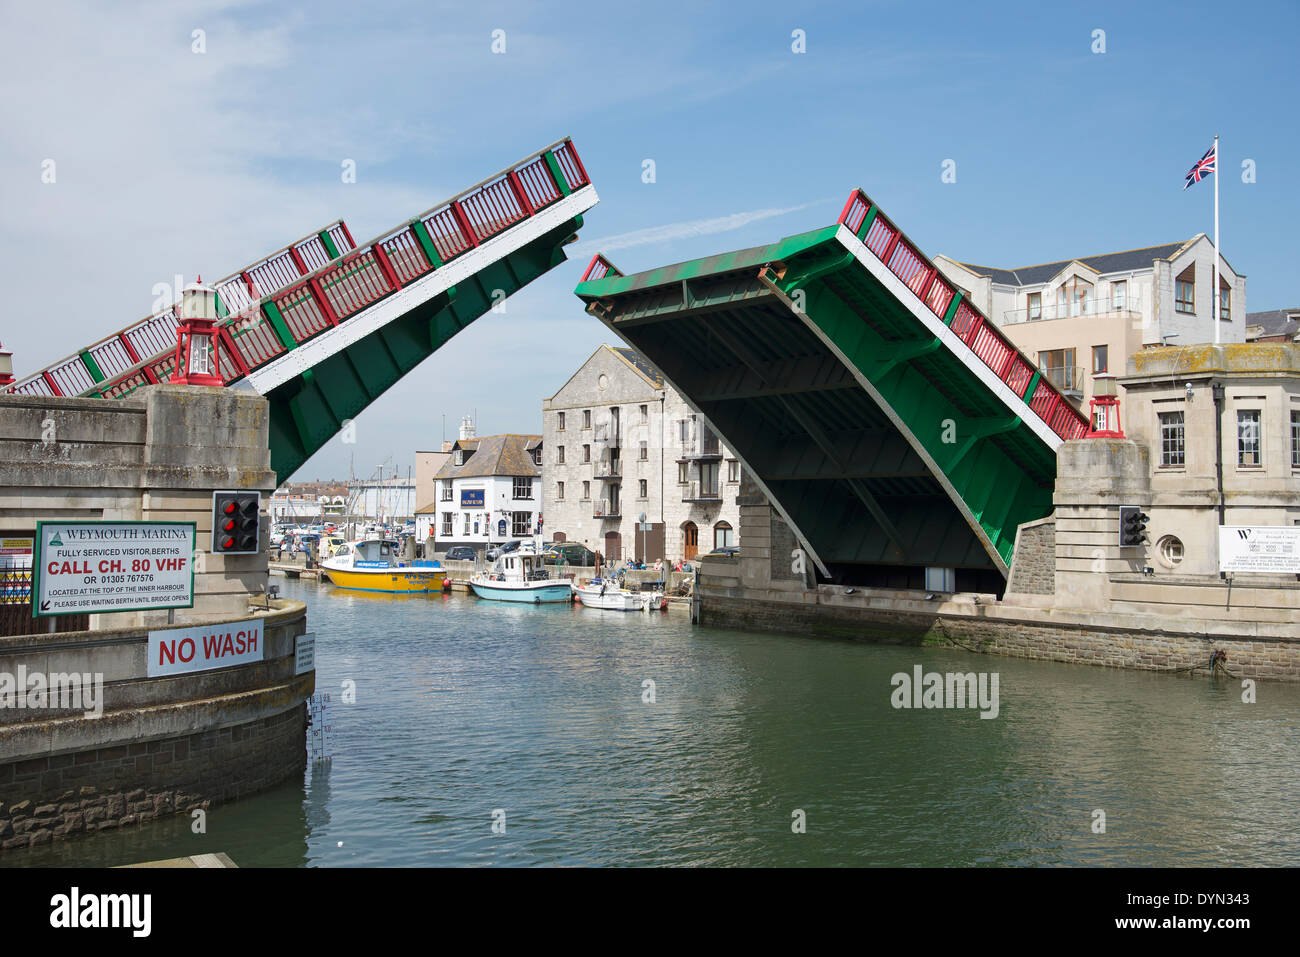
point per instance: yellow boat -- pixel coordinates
(375, 565)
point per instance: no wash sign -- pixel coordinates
(175, 651)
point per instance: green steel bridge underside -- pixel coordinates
(885, 441)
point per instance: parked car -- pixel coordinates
(573, 553)
(726, 551)
(460, 553)
(502, 549)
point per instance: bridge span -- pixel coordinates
(323, 327)
(891, 424)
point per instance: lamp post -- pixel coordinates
(1104, 405)
(196, 352)
(6, 370)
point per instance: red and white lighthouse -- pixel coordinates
(1104, 404)
(6, 370)
(196, 348)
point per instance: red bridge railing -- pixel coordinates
(320, 281)
(901, 257)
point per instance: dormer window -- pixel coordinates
(1185, 291)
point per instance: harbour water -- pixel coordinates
(464, 708)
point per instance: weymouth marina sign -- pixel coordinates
(1260, 548)
(87, 567)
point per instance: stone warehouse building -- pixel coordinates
(620, 443)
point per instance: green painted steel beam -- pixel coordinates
(92, 366)
(426, 242)
(557, 174)
(279, 325)
(307, 414)
(328, 242)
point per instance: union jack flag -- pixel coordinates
(1203, 167)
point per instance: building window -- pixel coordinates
(681, 473)
(1119, 295)
(559, 422)
(446, 490)
(1185, 291)
(644, 489)
(1057, 367)
(1172, 448)
(446, 524)
(586, 491)
(523, 487)
(1225, 301)
(723, 535)
(586, 418)
(586, 453)
(521, 523)
(733, 471)
(1035, 310)
(645, 451)
(466, 514)
(1170, 550)
(559, 454)
(1248, 438)
(684, 431)
(559, 490)
(1295, 439)
(1099, 361)
(645, 414)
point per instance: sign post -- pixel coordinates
(86, 567)
(1271, 549)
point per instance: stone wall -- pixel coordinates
(66, 795)
(156, 456)
(1033, 569)
(1121, 641)
(63, 772)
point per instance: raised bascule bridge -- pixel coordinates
(322, 327)
(889, 422)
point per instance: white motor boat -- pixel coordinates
(608, 594)
(520, 575)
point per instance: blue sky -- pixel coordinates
(172, 162)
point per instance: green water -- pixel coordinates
(465, 707)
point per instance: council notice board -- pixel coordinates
(84, 567)
(1259, 548)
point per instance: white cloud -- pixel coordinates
(689, 229)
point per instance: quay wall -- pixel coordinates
(162, 745)
(1074, 594)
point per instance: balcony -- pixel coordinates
(606, 469)
(705, 446)
(695, 492)
(605, 508)
(1069, 380)
(1115, 306)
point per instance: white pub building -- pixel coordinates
(488, 492)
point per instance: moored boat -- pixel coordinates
(520, 576)
(608, 594)
(376, 565)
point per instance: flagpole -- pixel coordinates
(1215, 298)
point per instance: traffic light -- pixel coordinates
(1132, 525)
(236, 521)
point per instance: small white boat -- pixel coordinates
(520, 576)
(606, 593)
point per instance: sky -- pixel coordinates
(1069, 128)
